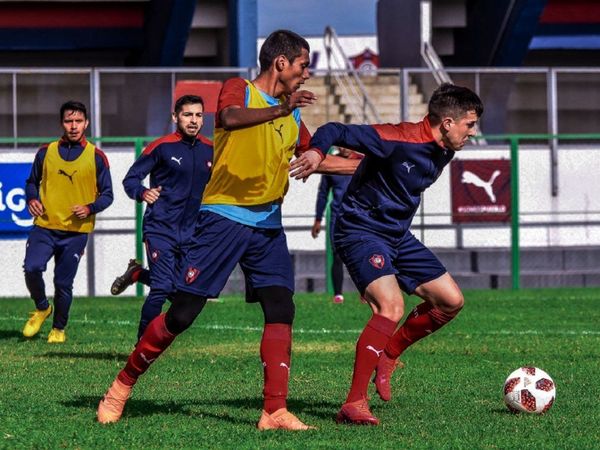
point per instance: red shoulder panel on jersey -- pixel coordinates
(416, 133)
(233, 93)
(205, 140)
(173, 137)
(43, 147)
(304, 140)
(101, 154)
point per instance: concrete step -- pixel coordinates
(579, 267)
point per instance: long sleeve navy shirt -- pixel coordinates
(401, 161)
(182, 167)
(70, 152)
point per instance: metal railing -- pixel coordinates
(354, 94)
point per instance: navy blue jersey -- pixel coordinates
(401, 161)
(182, 167)
(70, 152)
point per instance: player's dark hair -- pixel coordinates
(281, 42)
(453, 101)
(187, 100)
(72, 105)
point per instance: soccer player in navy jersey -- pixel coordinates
(68, 185)
(373, 239)
(179, 166)
(258, 130)
(337, 185)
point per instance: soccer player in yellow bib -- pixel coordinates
(258, 131)
(69, 184)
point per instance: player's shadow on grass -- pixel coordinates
(225, 410)
(145, 408)
(322, 409)
(108, 356)
(11, 334)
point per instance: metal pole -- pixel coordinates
(404, 108)
(553, 128)
(92, 103)
(514, 211)
(328, 246)
(172, 106)
(96, 120)
(14, 106)
(139, 216)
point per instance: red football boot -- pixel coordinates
(357, 413)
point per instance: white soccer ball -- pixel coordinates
(529, 389)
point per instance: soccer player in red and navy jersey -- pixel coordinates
(179, 166)
(373, 239)
(258, 131)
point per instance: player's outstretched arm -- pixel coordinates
(361, 138)
(338, 165)
(235, 116)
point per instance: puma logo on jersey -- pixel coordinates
(76, 256)
(146, 360)
(177, 160)
(278, 130)
(408, 166)
(284, 365)
(471, 178)
(373, 349)
(70, 177)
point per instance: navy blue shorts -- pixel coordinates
(368, 257)
(218, 244)
(163, 261)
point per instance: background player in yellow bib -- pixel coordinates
(69, 184)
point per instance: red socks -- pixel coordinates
(369, 347)
(423, 320)
(154, 341)
(275, 351)
(135, 276)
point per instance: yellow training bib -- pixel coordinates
(65, 184)
(251, 165)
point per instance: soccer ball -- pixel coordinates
(529, 389)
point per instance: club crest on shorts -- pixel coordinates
(191, 275)
(377, 261)
(154, 255)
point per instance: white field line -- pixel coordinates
(324, 331)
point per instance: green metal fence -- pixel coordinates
(514, 142)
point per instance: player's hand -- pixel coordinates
(298, 99)
(80, 211)
(316, 229)
(35, 208)
(305, 164)
(151, 195)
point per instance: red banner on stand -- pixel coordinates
(480, 190)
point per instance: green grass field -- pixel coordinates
(205, 392)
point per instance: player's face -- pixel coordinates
(74, 124)
(190, 119)
(296, 73)
(459, 131)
